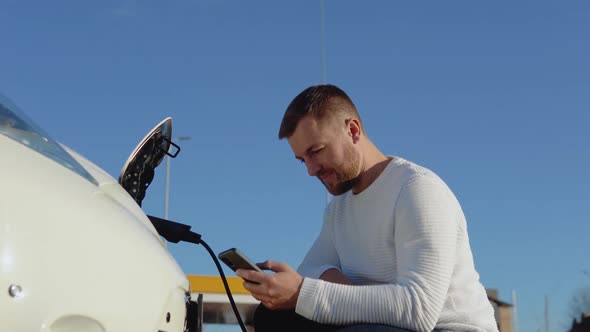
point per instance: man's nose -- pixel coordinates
(312, 168)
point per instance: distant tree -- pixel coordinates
(580, 303)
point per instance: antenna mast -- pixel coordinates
(514, 312)
(324, 60)
(323, 41)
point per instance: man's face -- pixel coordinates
(328, 152)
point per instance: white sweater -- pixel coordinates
(403, 242)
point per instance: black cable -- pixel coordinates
(227, 290)
(176, 232)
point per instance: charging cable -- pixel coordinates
(175, 232)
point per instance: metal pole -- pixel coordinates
(514, 312)
(323, 43)
(167, 191)
(546, 313)
(324, 60)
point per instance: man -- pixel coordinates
(393, 250)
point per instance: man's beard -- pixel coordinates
(341, 187)
(347, 176)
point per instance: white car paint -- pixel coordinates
(83, 254)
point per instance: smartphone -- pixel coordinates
(236, 260)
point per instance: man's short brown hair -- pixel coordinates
(319, 101)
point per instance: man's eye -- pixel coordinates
(316, 151)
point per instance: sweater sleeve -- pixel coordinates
(322, 256)
(425, 241)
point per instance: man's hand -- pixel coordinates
(276, 291)
(335, 276)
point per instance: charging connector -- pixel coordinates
(175, 232)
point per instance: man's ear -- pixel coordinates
(354, 129)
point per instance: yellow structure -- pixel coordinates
(216, 306)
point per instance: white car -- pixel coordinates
(77, 252)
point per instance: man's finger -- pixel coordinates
(250, 275)
(275, 266)
(263, 265)
(255, 288)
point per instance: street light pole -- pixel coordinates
(167, 191)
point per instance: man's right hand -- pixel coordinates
(335, 276)
(276, 291)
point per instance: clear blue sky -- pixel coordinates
(493, 96)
